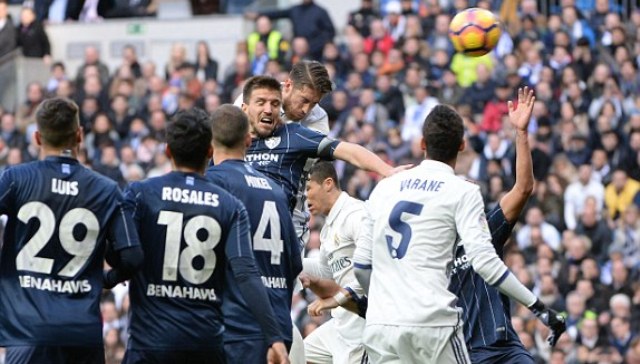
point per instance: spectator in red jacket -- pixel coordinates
(496, 109)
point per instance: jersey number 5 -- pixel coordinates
(202, 234)
(396, 224)
(81, 250)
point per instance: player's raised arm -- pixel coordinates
(473, 229)
(519, 116)
(239, 252)
(363, 158)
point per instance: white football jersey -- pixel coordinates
(412, 223)
(338, 239)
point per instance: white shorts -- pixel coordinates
(410, 344)
(324, 346)
(296, 354)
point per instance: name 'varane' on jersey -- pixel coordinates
(189, 229)
(486, 312)
(407, 233)
(275, 247)
(60, 216)
(282, 156)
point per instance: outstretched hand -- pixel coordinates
(520, 114)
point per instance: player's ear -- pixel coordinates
(244, 107)
(423, 144)
(79, 135)
(328, 184)
(209, 153)
(38, 138)
(167, 152)
(462, 145)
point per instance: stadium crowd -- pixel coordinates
(577, 244)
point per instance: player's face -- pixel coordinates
(263, 111)
(298, 102)
(316, 197)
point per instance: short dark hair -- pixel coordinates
(311, 74)
(58, 122)
(321, 170)
(188, 138)
(258, 82)
(229, 125)
(443, 133)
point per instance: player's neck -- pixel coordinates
(333, 197)
(451, 163)
(188, 169)
(46, 151)
(221, 154)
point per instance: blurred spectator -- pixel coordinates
(577, 193)
(58, 74)
(394, 22)
(309, 21)
(595, 228)
(25, 116)
(7, 30)
(361, 18)
(11, 136)
(275, 44)
(496, 109)
(235, 77)
(620, 193)
(378, 39)
(92, 60)
(627, 237)
(109, 164)
(32, 37)
(416, 114)
(535, 220)
(177, 58)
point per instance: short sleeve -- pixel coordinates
(500, 229)
(316, 144)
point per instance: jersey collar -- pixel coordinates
(335, 210)
(61, 159)
(438, 166)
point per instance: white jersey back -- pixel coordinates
(410, 230)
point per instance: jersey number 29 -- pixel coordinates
(28, 259)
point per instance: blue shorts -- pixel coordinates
(501, 353)
(133, 356)
(54, 355)
(248, 351)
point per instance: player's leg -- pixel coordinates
(451, 348)
(246, 351)
(501, 353)
(297, 354)
(317, 346)
(380, 342)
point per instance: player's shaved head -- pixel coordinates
(312, 74)
(321, 170)
(58, 122)
(259, 82)
(443, 133)
(230, 127)
(189, 138)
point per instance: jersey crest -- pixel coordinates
(273, 142)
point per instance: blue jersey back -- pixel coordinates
(60, 216)
(189, 229)
(486, 313)
(283, 155)
(275, 247)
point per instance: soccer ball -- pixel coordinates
(474, 32)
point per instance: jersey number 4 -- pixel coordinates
(398, 250)
(202, 234)
(81, 250)
(273, 244)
